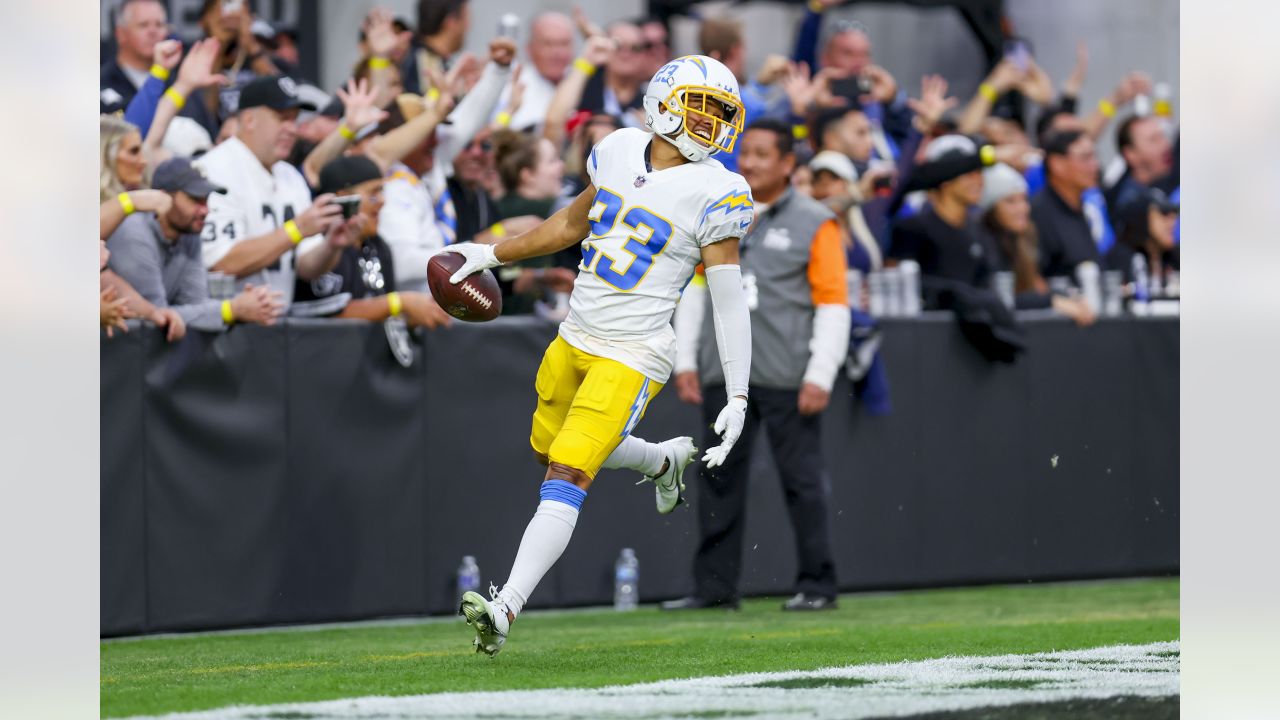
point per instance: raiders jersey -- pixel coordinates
(257, 201)
(648, 229)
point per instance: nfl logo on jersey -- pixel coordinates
(639, 181)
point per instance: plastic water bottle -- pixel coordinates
(892, 278)
(626, 581)
(875, 283)
(1141, 293)
(1113, 293)
(1003, 284)
(854, 279)
(910, 270)
(1089, 277)
(468, 575)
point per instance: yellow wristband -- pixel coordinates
(347, 133)
(815, 6)
(433, 94)
(1164, 108)
(1107, 108)
(379, 63)
(291, 229)
(126, 203)
(175, 97)
(504, 118)
(228, 317)
(585, 67)
(799, 132)
(160, 72)
(498, 230)
(988, 155)
(393, 303)
(988, 91)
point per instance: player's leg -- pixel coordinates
(796, 442)
(557, 382)
(662, 463)
(609, 401)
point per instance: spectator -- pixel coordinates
(256, 231)
(469, 187)
(657, 44)
(366, 270)
(1148, 157)
(112, 310)
(940, 237)
(532, 175)
(1066, 239)
(723, 40)
(836, 184)
(846, 131)
(589, 130)
(121, 164)
(550, 51)
(243, 56)
(596, 52)
(794, 257)
(1146, 229)
(1006, 220)
(160, 256)
(139, 26)
(442, 31)
(619, 90)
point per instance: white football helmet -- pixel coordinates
(687, 92)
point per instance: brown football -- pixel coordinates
(476, 299)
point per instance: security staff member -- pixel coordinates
(793, 267)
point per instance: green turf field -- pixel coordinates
(586, 649)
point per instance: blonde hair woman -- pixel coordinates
(122, 163)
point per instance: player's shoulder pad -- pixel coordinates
(726, 193)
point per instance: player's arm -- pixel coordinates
(732, 321)
(565, 228)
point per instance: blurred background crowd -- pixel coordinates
(237, 187)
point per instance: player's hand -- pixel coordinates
(688, 387)
(478, 257)
(729, 427)
(257, 305)
(812, 399)
(169, 319)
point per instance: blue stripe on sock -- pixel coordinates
(563, 491)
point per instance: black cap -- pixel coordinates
(278, 92)
(346, 172)
(179, 175)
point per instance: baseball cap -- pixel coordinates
(837, 164)
(346, 172)
(179, 175)
(278, 92)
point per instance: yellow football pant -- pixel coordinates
(586, 405)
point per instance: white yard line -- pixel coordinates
(860, 691)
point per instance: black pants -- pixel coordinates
(796, 441)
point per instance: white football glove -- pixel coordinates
(729, 427)
(479, 257)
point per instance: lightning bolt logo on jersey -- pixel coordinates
(647, 234)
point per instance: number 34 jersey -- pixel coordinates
(647, 234)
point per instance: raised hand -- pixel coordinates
(775, 68)
(883, 87)
(933, 102)
(379, 33)
(516, 98)
(1075, 80)
(167, 53)
(197, 69)
(359, 101)
(598, 50)
(1004, 76)
(502, 50)
(587, 28)
(320, 216)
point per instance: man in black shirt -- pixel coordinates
(1071, 167)
(941, 237)
(363, 283)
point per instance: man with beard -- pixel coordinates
(159, 255)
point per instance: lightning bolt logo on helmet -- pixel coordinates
(693, 103)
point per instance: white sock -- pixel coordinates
(544, 540)
(636, 454)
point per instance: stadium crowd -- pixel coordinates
(233, 190)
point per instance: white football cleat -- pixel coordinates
(668, 486)
(489, 619)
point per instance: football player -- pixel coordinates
(656, 207)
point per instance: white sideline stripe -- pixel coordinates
(904, 688)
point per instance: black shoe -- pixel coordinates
(694, 602)
(809, 602)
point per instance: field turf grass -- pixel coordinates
(593, 648)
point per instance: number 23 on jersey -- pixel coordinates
(649, 235)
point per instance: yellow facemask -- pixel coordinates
(691, 101)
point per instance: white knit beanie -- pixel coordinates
(998, 182)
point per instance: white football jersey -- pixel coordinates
(257, 201)
(647, 234)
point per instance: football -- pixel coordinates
(476, 299)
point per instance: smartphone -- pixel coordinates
(231, 7)
(350, 205)
(852, 87)
(508, 25)
(1017, 50)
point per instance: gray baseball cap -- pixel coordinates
(179, 175)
